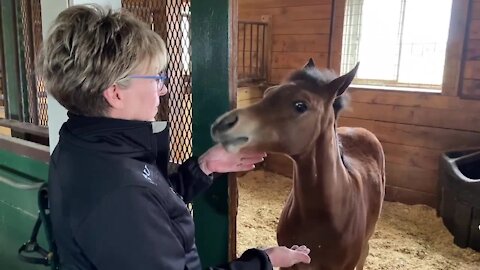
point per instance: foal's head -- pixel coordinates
(289, 118)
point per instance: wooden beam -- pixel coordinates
(25, 148)
(25, 127)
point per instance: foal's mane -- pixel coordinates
(315, 79)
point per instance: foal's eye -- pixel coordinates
(301, 107)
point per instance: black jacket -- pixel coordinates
(112, 206)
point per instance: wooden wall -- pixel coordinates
(470, 86)
(414, 127)
(300, 29)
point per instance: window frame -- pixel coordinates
(457, 34)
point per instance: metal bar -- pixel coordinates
(257, 75)
(400, 37)
(3, 94)
(20, 49)
(251, 49)
(264, 76)
(244, 49)
(28, 46)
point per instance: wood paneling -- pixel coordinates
(288, 13)
(301, 43)
(411, 135)
(279, 74)
(476, 10)
(413, 99)
(455, 45)
(424, 117)
(409, 196)
(471, 88)
(473, 50)
(412, 178)
(475, 29)
(300, 30)
(411, 156)
(302, 27)
(472, 70)
(296, 60)
(250, 4)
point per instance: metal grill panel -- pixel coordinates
(171, 20)
(32, 38)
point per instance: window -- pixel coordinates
(185, 28)
(399, 43)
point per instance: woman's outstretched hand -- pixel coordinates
(218, 160)
(286, 257)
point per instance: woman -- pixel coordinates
(113, 205)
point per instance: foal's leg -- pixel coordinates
(363, 256)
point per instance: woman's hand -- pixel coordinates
(286, 257)
(218, 160)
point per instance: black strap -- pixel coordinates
(31, 251)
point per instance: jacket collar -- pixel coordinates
(138, 139)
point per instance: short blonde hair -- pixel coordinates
(89, 49)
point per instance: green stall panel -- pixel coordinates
(210, 90)
(20, 178)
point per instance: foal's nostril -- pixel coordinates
(227, 123)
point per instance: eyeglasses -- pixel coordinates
(161, 78)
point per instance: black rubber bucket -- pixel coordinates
(459, 196)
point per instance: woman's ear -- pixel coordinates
(114, 96)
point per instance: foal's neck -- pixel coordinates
(320, 175)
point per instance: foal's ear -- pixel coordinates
(340, 84)
(269, 89)
(309, 64)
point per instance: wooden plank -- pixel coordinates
(246, 93)
(247, 102)
(300, 43)
(475, 29)
(472, 70)
(411, 178)
(411, 156)
(25, 127)
(244, 4)
(473, 50)
(302, 27)
(304, 12)
(454, 51)
(280, 74)
(3, 130)
(408, 196)
(427, 137)
(295, 60)
(451, 119)
(337, 35)
(471, 88)
(413, 99)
